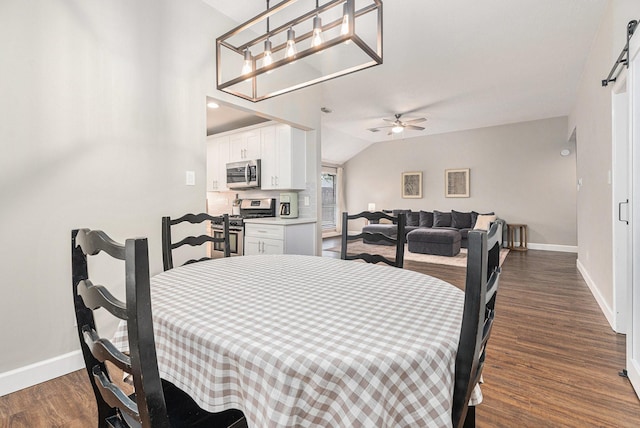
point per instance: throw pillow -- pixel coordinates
(441, 219)
(413, 218)
(426, 219)
(460, 220)
(474, 217)
(405, 212)
(484, 221)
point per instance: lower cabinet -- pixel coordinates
(253, 246)
(279, 238)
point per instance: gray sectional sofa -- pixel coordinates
(459, 221)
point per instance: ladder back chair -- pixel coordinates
(398, 241)
(168, 245)
(483, 273)
(155, 403)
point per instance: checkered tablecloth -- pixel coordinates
(302, 341)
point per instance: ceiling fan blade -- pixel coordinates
(390, 120)
(373, 129)
(413, 121)
(417, 128)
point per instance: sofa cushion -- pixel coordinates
(408, 229)
(460, 220)
(385, 229)
(390, 230)
(435, 235)
(426, 219)
(413, 218)
(484, 221)
(441, 219)
(407, 214)
(396, 212)
(474, 217)
(465, 232)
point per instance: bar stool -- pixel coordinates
(522, 232)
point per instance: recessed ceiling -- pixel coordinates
(462, 64)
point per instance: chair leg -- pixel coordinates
(470, 420)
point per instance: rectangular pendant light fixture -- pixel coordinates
(293, 45)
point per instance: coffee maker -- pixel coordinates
(289, 205)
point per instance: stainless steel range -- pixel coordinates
(249, 208)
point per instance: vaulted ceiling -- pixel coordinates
(462, 64)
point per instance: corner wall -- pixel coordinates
(516, 171)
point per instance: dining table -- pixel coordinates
(308, 341)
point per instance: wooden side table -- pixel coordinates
(511, 232)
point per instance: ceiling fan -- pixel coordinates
(398, 125)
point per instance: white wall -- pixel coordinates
(516, 171)
(103, 111)
(591, 118)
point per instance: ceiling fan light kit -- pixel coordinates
(255, 64)
(397, 126)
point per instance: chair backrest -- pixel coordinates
(398, 241)
(147, 408)
(168, 245)
(483, 273)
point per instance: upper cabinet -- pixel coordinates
(217, 158)
(244, 145)
(284, 152)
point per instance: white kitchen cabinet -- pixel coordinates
(283, 151)
(244, 145)
(279, 236)
(261, 246)
(217, 158)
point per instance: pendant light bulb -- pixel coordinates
(246, 67)
(291, 43)
(267, 59)
(344, 29)
(316, 39)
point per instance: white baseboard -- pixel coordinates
(552, 247)
(33, 374)
(606, 310)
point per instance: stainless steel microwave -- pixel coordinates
(243, 175)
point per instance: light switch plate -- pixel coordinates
(190, 178)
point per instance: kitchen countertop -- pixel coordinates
(279, 221)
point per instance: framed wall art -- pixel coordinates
(456, 183)
(412, 185)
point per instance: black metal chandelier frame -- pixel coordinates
(241, 49)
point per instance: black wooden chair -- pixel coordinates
(483, 273)
(155, 402)
(376, 216)
(168, 245)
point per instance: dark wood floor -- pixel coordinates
(553, 360)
